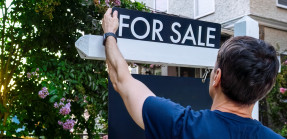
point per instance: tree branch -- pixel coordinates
(12, 52)
(9, 76)
(2, 45)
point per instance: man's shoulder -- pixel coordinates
(230, 123)
(266, 132)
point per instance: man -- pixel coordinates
(244, 73)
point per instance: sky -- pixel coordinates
(8, 2)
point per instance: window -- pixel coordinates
(203, 8)
(161, 5)
(282, 3)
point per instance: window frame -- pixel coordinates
(195, 9)
(280, 5)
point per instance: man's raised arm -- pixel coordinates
(132, 91)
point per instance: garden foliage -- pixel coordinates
(40, 68)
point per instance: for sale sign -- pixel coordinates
(158, 39)
(167, 29)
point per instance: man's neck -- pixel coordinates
(223, 104)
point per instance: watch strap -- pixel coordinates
(106, 35)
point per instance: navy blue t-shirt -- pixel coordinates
(164, 119)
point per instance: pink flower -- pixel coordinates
(60, 123)
(68, 104)
(44, 89)
(283, 90)
(105, 137)
(107, 3)
(66, 109)
(151, 66)
(41, 94)
(63, 99)
(56, 105)
(61, 104)
(117, 2)
(33, 73)
(28, 75)
(37, 69)
(285, 62)
(69, 124)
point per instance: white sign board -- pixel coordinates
(91, 47)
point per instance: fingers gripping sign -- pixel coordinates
(110, 21)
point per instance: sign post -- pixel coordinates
(248, 27)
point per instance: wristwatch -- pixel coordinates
(106, 35)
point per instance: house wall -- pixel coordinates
(226, 10)
(268, 9)
(181, 8)
(277, 38)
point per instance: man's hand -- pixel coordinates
(110, 22)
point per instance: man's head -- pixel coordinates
(247, 68)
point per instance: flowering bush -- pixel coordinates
(64, 106)
(33, 74)
(273, 107)
(65, 110)
(48, 29)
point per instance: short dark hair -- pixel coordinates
(249, 68)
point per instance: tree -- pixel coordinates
(37, 39)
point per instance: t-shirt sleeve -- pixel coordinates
(162, 118)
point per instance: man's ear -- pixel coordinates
(217, 77)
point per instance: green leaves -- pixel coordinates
(53, 98)
(47, 7)
(45, 32)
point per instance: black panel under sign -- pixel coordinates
(183, 90)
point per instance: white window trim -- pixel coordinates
(199, 16)
(154, 5)
(279, 59)
(280, 5)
